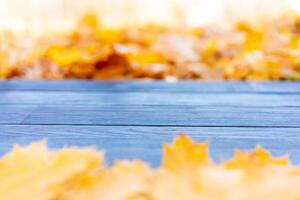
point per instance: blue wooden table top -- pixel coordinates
(131, 120)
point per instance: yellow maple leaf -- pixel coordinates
(185, 154)
(35, 173)
(257, 159)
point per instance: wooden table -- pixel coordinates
(132, 119)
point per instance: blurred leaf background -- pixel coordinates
(31, 15)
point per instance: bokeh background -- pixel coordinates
(31, 15)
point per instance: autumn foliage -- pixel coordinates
(186, 173)
(268, 51)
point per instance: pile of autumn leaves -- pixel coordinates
(268, 51)
(186, 173)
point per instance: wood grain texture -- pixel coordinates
(14, 114)
(143, 98)
(146, 142)
(164, 115)
(148, 86)
(130, 120)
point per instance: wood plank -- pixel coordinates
(145, 142)
(14, 114)
(150, 86)
(80, 98)
(159, 115)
